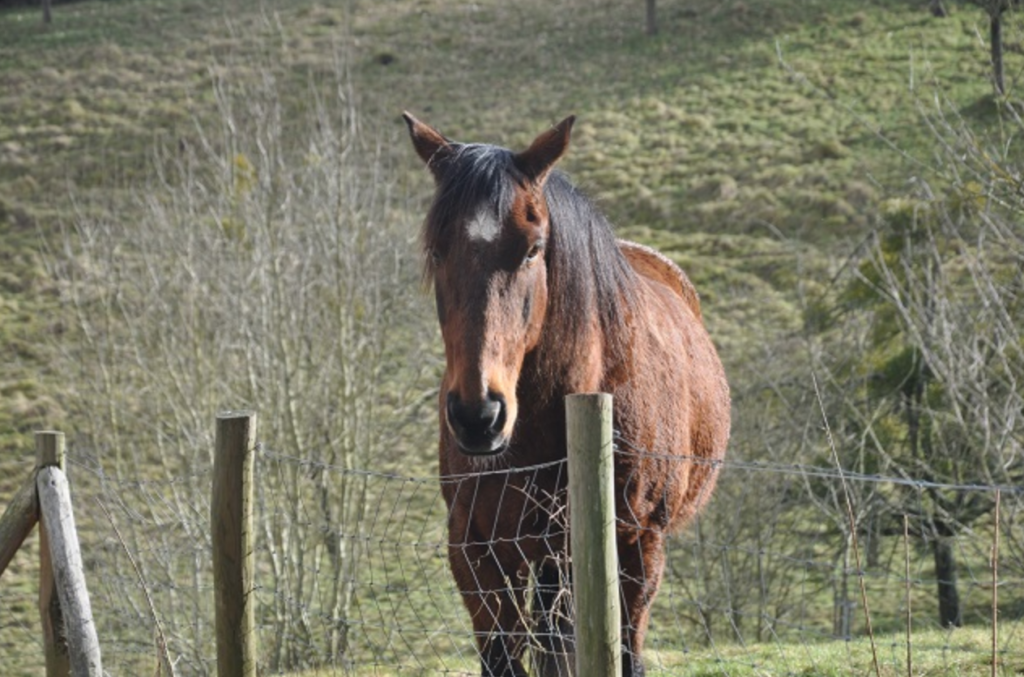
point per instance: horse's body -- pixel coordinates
(536, 300)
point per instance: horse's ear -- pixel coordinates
(537, 160)
(429, 143)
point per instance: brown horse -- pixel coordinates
(536, 300)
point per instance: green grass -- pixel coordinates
(963, 652)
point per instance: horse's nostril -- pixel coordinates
(499, 408)
(488, 415)
(452, 408)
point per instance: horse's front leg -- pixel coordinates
(554, 654)
(493, 590)
(642, 564)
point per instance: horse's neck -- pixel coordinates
(572, 358)
(560, 372)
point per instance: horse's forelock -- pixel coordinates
(477, 175)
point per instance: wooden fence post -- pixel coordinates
(71, 644)
(50, 452)
(232, 530)
(595, 562)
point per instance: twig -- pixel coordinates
(906, 565)
(164, 656)
(853, 526)
(995, 591)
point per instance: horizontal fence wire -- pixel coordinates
(353, 573)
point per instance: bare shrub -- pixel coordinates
(935, 389)
(265, 265)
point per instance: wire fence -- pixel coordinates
(765, 581)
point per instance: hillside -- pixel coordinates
(773, 120)
(759, 143)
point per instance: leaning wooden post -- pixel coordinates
(70, 641)
(595, 562)
(232, 530)
(19, 518)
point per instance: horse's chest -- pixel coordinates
(520, 509)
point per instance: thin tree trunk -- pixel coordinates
(841, 605)
(950, 615)
(937, 8)
(761, 590)
(873, 539)
(46, 12)
(996, 37)
(706, 619)
(652, 17)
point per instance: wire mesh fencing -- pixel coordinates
(353, 573)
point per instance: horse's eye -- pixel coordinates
(534, 252)
(435, 257)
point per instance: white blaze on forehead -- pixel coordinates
(483, 226)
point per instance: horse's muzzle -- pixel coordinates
(478, 427)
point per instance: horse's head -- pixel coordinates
(485, 241)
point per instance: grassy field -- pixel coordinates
(771, 121)
(752, 140)
(767, 120)
(962, 652)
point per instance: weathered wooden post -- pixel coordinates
(70, 641)
(595, 561)
(232, 530)
(50, 452)
(19, 518)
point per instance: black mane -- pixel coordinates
(587, 273)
